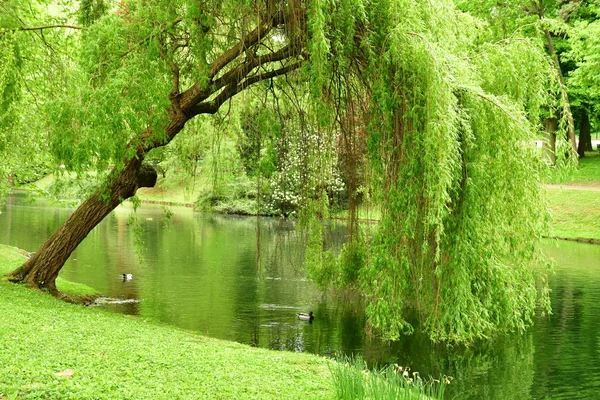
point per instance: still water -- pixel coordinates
(241, 279)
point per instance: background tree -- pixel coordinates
(583, 53)
(541, 20)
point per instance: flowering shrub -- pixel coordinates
(308, 164)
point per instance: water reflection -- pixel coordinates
(208, 274)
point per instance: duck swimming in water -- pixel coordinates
(306, 317)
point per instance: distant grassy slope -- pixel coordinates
(171, 190)
(118, 357)
(574, 200)
(174, 190)
(575, 212)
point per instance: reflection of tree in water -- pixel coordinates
(502, 369)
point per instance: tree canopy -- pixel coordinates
(445, 112)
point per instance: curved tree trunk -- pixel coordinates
(42, 268)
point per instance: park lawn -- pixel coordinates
(586, 173)
(117, 356)
(575, 213)
(574, 200)
(175, 190)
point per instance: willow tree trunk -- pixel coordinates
(42, 268)
(585, 135)
(550, 126)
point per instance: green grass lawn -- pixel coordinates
(114, 356)
(575, 213)
(587, 172)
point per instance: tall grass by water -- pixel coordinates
(354, 380)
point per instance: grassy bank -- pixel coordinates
(115, 356)
(586, 173)
(574, 200)
(50, 349)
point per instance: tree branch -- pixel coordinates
(39, 28)
(174, 70)
(197, 94)
(244, 69)
(211, 107)
(250, 40)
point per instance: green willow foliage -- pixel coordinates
(585, 41)
(455, 175)
(9, 95)
(23, 88)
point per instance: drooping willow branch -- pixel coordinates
(491, 99)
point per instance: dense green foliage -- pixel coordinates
(584, 40)
(23, 89)
(456, 242)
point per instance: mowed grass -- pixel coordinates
(575, 213)
(119, 357)
(586, 173)
(574, 200)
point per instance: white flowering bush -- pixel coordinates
(307, 165)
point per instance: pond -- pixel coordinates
(242, 279)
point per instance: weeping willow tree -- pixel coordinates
(450, 121)
(445, 121)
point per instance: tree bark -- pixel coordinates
(563, 90)
(585, 135)
(551, 126)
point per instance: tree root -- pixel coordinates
(84, 300)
